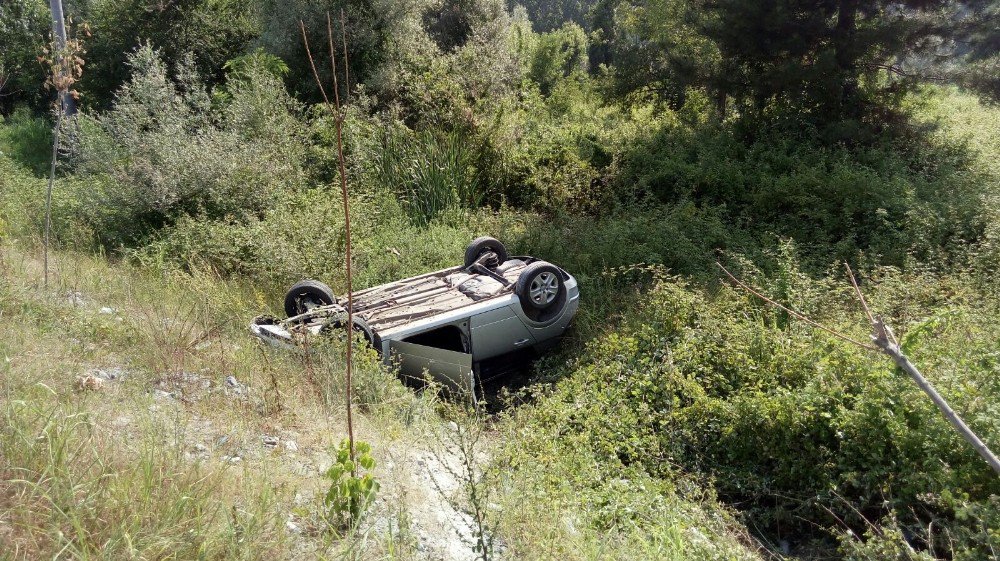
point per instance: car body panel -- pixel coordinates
(451, 368)
(498, 332)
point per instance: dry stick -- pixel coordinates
(312, 63)
(885, 340)
(343, 34)
(347, 222)
(347, 252)
(817, 325)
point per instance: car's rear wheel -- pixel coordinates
(479, 246)
(542, 292)
(306, 295)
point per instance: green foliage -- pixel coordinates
(245, 67)
(27, 140)
(371, 24)
(787, 423)
(214, 30)
(352, 486)
(24, 26)
(549, 15)
(558, 54)
(430, 174)
(164, 151)
(643, 150)
(886, 200)
(833, 64)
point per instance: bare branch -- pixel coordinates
(312, 63)
(857, 290)
(815, 324)
(338, 123)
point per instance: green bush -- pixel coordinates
(164, 152)
(793, 426)
(214, 30)
(24, 26)
(26, 140)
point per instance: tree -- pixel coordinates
(24, 28)
(828, 60)
(373, 32)
(558, 54)
(215, 30)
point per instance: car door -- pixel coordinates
(497, 332)
(440, 352)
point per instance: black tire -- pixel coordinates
(307, 294)
(480, 245)
(542, 292)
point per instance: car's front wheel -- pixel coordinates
(542, 292)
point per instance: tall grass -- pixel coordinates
(431, 172)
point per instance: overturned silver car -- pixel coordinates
(448, 323)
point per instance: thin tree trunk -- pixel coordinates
(883, 341)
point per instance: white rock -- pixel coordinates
(107, 311)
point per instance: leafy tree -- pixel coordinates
(660, 47)
(547, 15)
(24, 31)
(215, 30)
(829, 60)
(372, 27)
(981, 55)
(558, 54)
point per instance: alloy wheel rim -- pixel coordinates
(544, 288)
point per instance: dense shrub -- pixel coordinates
(24, 26)
(165, 151)
(789, 424)
(905, 196)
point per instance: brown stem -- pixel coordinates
(312, 63)
(815, 324)
(48, 191)
(338, 123)
(347, 72)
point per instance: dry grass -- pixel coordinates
(166, 460)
